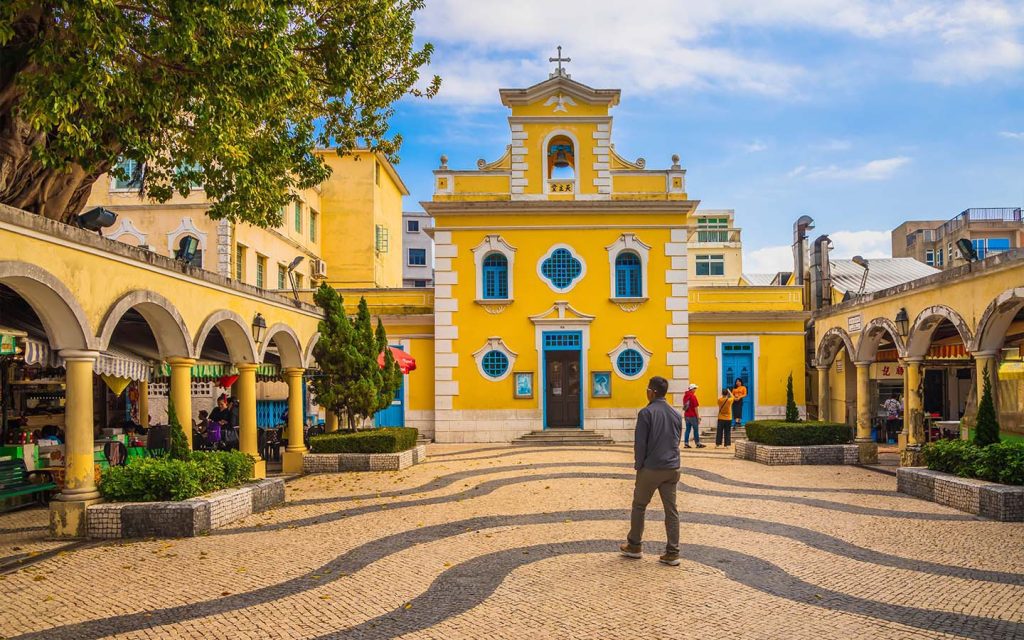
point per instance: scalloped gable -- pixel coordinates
(559, 85)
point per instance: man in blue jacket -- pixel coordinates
(656, 453)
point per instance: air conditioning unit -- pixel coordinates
(319, 269)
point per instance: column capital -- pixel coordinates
(246, 366)
(863, 364)
(78, 355)
(180, 361)
(822, 367)
(294, 371)
(913, 360)
(985, 354)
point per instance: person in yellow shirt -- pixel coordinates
(739, 392)
(724, 428)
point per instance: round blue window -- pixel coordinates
(630, 362)
(561, 268)
(495, 363)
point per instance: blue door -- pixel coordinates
(560, 379)
(738, 362)
(393, 416)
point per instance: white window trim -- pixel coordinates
(127, 228)
(494, 343)
(408, 257)
(577, 151)
(493, 244)
(630, 342)
(551, 285)
(185, 228)
(628, 242)
(696, 260)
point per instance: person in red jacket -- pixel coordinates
(691, 417)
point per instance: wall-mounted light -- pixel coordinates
(96, 219)
(902, 322)
(291, 277)
(967, 250)
(259, 327)
(187, 248)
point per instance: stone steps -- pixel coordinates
(555, 437)
(737, 434)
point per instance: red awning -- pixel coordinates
(405, 362)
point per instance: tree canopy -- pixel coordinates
(232, 95)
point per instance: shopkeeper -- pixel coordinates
(222, 414)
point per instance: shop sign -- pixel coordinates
(887, 371)
(854, 323)
(8, 345)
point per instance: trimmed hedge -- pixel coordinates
(383, 440)
(795, 434)
(159, 479)
(1001, 462)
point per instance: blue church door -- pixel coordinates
(738, 362)
(393, 416)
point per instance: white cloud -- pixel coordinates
(673, 44)
(797, 171)
(881, 169)
(1012, 135)
(846, 244)
(769, 260)
(867, 243)
(755, 147)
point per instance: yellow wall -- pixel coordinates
(532, 296)
(349, 198)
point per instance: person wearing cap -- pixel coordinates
(691, 417)
(656, 460)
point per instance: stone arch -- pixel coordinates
(289, 347)
(166, 323)
(308, 358)
(871, 337)
(64, 320)
(237, 337)
(830, 344)
(998, 316)
(927, 322)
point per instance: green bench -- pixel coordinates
(16, 480)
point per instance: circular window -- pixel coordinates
(495, 364)
(630, 362)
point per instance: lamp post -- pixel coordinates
(902, 322)
(259, 327)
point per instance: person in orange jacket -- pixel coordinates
(739, 392)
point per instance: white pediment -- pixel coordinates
(562, 313)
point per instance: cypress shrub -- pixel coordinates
(792, 412)
(987, 430)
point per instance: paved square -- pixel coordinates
(500, 542)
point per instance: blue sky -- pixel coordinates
(859, 113)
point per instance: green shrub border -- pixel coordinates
(780, 433)
(167, 479)
(1002, 462)
(382, 440)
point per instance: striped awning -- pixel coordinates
(217, 370)
(112, 362)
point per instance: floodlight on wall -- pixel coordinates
(291, 277)
(860, 260)
(902, 322)
(187, 247)
(259, 327)
(96, 219)
(967, 250)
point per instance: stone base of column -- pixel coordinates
(901, 441)
(68, 518)
(259, 470)
(911, 456)
(291, 461)
(868, 452)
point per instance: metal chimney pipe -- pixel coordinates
(802, 225)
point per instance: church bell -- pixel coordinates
(561, 158)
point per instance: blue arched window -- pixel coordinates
(494, 364)
(628, 279)
(630, 362)
(495, 275)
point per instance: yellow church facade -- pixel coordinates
(565, 278)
